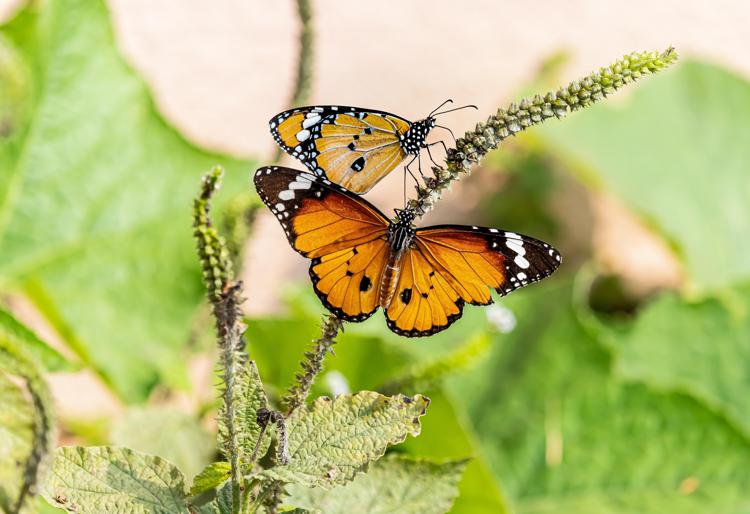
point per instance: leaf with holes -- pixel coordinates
(109, 479)
(393, 484)
(332, 440)
(95, 196)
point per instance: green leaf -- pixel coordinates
(95, 201)
(167, 433)
(16, 440)
(393, 484)
(675, 150)
(447, 435)
(109, 479)
(701, 348)
(249, 397)
(26, 427)
(13, 329)
(563, 435)
(211, 477)
(333, 440)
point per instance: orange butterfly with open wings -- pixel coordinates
(420, 277)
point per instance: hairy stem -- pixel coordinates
(312, 364)
(226, 296)
(476, 143)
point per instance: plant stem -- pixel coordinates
(226, 296)
(475, 144)
(312, 364)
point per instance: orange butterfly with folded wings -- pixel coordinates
(421, 277)
(352, 146)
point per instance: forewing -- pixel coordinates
(317, 216)
(343, 235)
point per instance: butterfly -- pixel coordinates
(421, 277)
(351, 146)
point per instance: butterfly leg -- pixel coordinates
(406, 168)
(430, 154)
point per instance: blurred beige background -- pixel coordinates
(220, 69)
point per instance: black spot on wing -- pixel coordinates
(359, 164)
(324, 298)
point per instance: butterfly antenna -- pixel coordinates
(449, 130)
(448, 101)
(456, 109)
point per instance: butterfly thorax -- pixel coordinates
(399, 236)
(414, 139)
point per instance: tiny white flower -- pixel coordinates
(501, 318)
(337, 383)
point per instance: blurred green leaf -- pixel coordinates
(13, 329)
(446, 434)
(95, 201)
(16, 439)
(392, 484)
(108, 479)
(676, 151)
(168, 433)
(27, 427)
(701, 348)
(563, 435)
(211, 477)
(277, 345)
(333, 440)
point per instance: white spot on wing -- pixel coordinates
(302, 135)
(310, 120)
(521, 262)
(286, 195)
(279, 206)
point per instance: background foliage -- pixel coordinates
(582, 406)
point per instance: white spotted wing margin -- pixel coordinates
(526, 259)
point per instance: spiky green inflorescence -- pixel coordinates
(476, 143)
(226, 296)
(312, 364)
(212, 249)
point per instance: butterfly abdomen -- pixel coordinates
(390, 279)
(400, 237)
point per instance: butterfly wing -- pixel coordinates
(353, 147)
(342, 234)
(449, 265)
